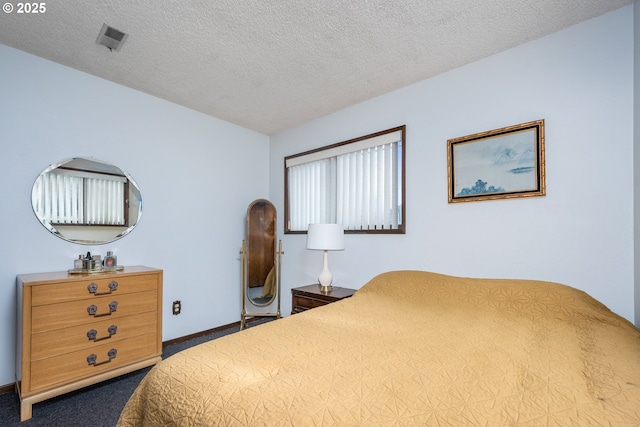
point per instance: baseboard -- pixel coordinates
(11, 387)
(7, 388)
(199, 334)
(210, 331)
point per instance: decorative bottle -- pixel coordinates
(110, 261)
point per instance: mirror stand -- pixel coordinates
(245, 294)
(261, 260)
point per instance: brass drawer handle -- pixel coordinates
(91, 359)
(93, 309)
(93, 288)
(92, 334)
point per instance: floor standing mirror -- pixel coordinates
(261, 259)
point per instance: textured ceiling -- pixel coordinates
(269, 65)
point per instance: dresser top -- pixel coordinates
(56, 276)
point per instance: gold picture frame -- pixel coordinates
(503, 163)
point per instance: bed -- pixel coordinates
(411, 348)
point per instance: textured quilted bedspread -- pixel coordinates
(411, 348)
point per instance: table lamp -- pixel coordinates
(325, 237)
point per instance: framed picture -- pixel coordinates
(499, 164)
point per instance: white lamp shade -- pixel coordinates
(325, 237)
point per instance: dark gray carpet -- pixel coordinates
(98, 405)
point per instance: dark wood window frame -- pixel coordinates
(401, 183)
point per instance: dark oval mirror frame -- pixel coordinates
(89, 234)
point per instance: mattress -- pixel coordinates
(411, 348)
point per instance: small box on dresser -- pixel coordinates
(75, 330)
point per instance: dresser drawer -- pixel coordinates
(92, 287)
(74, 313)
(67, 340)
(73, 366)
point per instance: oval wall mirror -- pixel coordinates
(86, 201)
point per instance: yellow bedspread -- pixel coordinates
(411, 348)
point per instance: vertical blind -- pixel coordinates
(358, 189)
(368, 188)
(68, 198)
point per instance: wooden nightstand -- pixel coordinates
(307, 297)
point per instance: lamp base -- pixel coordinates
(325, 278)
(325, 289)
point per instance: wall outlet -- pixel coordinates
(177, 307)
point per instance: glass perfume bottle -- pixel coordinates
(110, 261)
(77, 264)
(86, 262)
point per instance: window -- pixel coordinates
(357, 183)
(81, 198)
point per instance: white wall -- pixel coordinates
(636, 155)
(197, 175)
(580, 81)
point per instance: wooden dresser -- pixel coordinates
(307, 297)
(75, 330)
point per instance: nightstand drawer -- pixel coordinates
(308, 297)
(305, 302)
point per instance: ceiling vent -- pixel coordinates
(111, 38)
